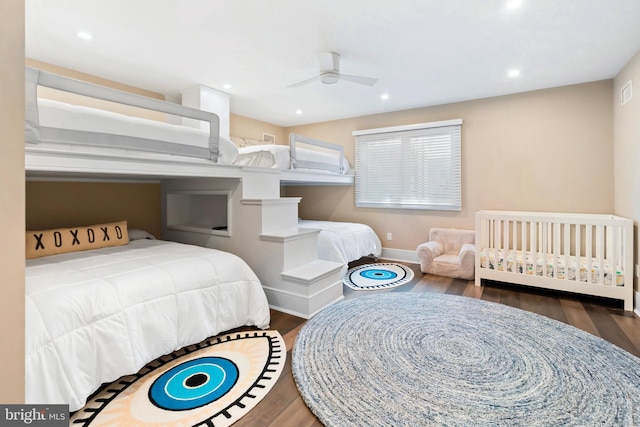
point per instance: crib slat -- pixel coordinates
(556, 249)
(524, 247)
(498, 243)
(534, 247)
(600, 252)
(589, 249)
(514, 246)
(613, 257)
(567, 249)
(506, 244)
(578, 252)
(544, 247)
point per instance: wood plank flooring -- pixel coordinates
(283, 406)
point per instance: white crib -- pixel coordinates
(582, 253)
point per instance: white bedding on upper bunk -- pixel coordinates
(56, 114)
(344, 242)
(282, 156)
(94, 316)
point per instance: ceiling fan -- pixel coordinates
(330, 72)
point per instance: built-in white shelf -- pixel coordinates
(206, 211)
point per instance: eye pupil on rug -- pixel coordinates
(192, 384)
(196, 380)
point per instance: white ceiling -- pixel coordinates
(424, 52)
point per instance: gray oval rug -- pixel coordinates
(420, 359)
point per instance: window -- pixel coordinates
(409, 167)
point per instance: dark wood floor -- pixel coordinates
(283, 406)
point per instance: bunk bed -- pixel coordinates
(95, 315)
(64, 138)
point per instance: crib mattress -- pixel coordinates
(495, 259)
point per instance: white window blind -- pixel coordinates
(409, 167)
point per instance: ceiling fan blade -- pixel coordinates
(305, 82)
(369, 81)
(328, 61)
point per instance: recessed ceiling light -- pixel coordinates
(227, 86)
(298, 112)
(84, 35)
(513, 4)
(384, 96)
(513, 73)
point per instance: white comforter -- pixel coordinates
(94, 316)
(344, 241)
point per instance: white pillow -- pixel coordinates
(135, 234)
(227, 151)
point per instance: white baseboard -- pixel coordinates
(401, 255)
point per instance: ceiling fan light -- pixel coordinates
(329, 78)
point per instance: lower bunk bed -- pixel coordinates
(93, 316)
(590, 254)
(344, 242)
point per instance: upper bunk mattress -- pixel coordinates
(55, 115)
(60, 115)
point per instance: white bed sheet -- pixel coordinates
(94, 316)
(56, 114)
(344, 242)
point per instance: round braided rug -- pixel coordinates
(420, 359)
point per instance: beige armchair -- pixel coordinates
(449, 252)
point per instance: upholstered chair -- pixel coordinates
(449, 252)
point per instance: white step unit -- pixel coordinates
(207, 99)
(264, 232)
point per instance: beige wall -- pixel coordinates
(547, 150)
(12, 200)
(71, 204)
(245, 127)
(626, 119)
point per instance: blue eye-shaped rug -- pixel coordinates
(372, 277)
(213, 383)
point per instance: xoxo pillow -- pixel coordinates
(62, 240)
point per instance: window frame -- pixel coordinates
(422, 147)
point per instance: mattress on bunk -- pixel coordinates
(279, 153)
(56, 114)
(60, 115)
(494, 259)
(344, 242)
(322, 161)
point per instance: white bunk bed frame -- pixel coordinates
(536, 249)
(134, 157)
(35, 134)
(295, 280)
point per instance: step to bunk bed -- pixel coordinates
(307, 289)
(306, 284)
